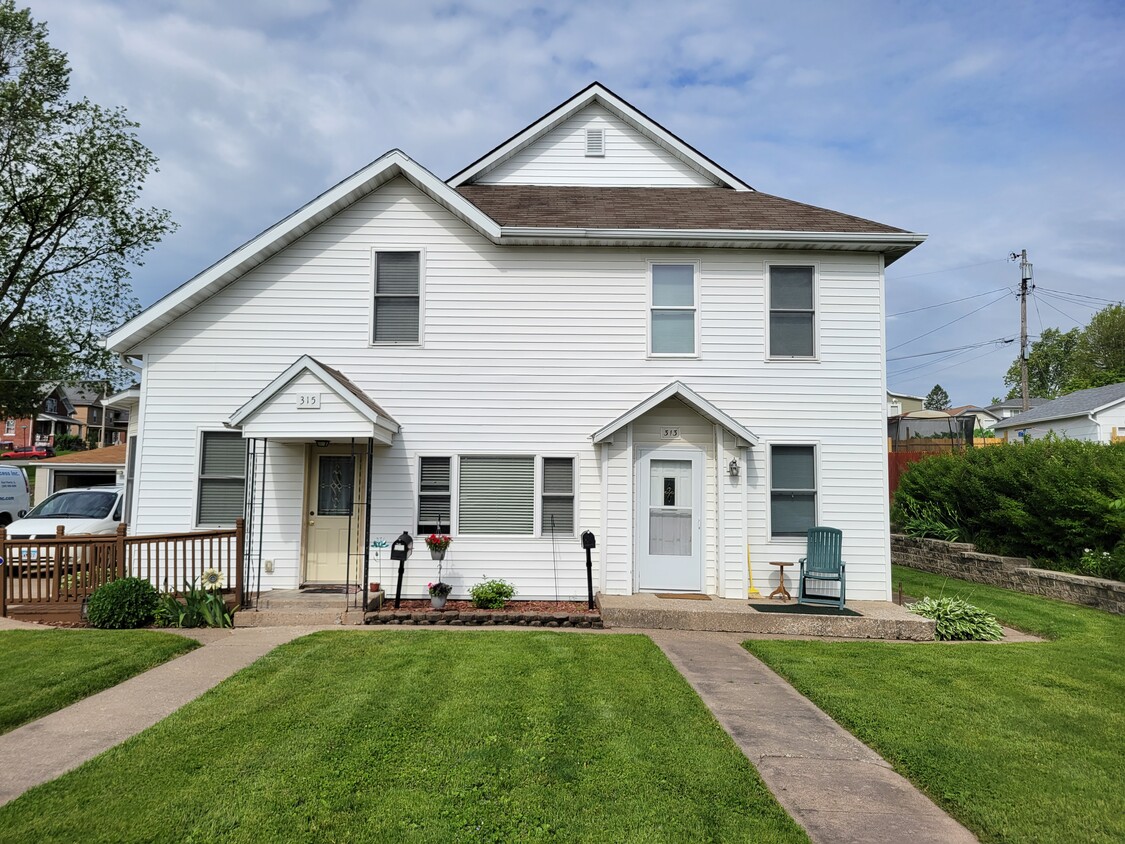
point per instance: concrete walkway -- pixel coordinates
(832, 784)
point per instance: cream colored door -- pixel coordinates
(334, 485)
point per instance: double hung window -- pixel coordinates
(398, 297)
(222, 478)
(792, 489)
(792, 312)
(434, 500)
(673, 315)
(558, 495)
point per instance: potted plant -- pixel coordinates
(439, 594)
(438, 543)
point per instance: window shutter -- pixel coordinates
(497, 495)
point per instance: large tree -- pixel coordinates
(937, 399)
(1060, 363)
(71, 225)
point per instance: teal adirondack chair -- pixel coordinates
(822, 564)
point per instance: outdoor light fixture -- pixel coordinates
(322, 443)
(732, 468)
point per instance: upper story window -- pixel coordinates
(52, 405)
(673, 317)
(398, 297)
(792, 312)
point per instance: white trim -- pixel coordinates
(698, 458)
(129, 397)
(720, 502)
(605, 517)
(421, 341)
(745, 560)
(696, 284)
(574, 475)
(802, 239)
(197, 469)
(280, 235)
(768, 292)
(597, 93)
(884, 467)
(818, 492)
(695, 401)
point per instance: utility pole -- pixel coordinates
(1025, 278)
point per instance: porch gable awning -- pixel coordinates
(311, 401)
(692, 399)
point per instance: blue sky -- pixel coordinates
(993, 126)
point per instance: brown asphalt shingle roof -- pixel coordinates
(109, 455)
(544, 206)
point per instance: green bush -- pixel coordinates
(196, 607)
(492, 594)
(69, 442)
(1047, 499)
(122, 604)
(958, 620)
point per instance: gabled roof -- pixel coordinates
(598, 93)
(333, 379)
(893, 394)
(1081, 403)
(969, 408)
(127, 397)
(689, 397)
(255, 251)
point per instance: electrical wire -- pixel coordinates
(954, 349)
(1080, 295)
(945, 325)
(959, 363)
(951, 302)
(949, 270)
(1097, 306)
(1047, 302)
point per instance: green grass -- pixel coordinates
(1020, 742)
(42, 671)
(424, 736)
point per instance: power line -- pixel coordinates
(1004, 340)
(1047, 302)
(1097, 306)
(940, 327)
(944, 368)
(952, 302)
(1082, 296)
(948, 270)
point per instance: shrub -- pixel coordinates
(492, 594)
(958, 620)
(122, 604)
(69, 442)
(1046, 499)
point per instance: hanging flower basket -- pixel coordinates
(438, 543)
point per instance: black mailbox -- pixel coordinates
(588, 544)
(402, 547)
(588, 540)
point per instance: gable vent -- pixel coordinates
(595, 142)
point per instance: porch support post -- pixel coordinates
(367, 522)
(239, 554)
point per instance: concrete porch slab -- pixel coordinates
(876, 619)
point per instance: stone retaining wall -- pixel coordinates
(963, 561)
(455, 618)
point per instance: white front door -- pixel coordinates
(670, 521)
(334, 484)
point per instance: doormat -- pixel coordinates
(684, 596)
(803, 609)
(329, 590)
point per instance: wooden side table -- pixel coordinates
(781, 590)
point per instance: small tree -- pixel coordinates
(937, 399)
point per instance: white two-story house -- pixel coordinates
(592, 327)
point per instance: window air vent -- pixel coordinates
(595, 142)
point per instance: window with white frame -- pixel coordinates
(792, 312)
(558, 495)
(398, 297)
(792, 489)
(52, 405)
(496, 495)
(434, 500)
(222, 478)
(672, 317)
(9, 427)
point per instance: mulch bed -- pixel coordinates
(463, 613)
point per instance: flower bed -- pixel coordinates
(463, 613)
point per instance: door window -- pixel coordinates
(335, 486)
(670, 503)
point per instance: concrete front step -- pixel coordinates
(877, 619)
(303, 617)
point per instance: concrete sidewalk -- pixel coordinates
(47, 748)
(833, 785)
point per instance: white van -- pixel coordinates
(15, 494)
(90, 510)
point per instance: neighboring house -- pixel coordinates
(923, 424)
(592, 327)
(983, 419)
(1097, 414)
(56, 418)
(94, 467)
(100, 426)
(1010, 407)
(900, 403)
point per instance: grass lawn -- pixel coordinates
(1020, 742)
(424, 736)
(42, 671)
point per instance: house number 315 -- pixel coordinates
(308, 401)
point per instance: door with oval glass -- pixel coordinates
(334, 524)
(670, 520)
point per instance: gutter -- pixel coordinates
(741, 235)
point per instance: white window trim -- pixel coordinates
(9, 427)
(815, 357)
(697, 284)
(541, 473)
(196, 469)
(420, 342)
(452, 458)
(791, 540)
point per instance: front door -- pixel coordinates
(334, 523)
(670, 521)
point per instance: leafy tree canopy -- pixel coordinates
(937, 399)
(71, 173)
(1062, 362)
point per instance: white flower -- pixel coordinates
(211, 579)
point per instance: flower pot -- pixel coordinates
(374, 587)
(437, 553)
(438, 601)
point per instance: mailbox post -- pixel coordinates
(401, 549)
(589, 545)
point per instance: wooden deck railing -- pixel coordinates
(67, 569)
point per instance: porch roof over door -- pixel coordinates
(692, 399)
(312, 401)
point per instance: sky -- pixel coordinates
(990, 126)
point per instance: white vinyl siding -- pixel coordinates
(496, 495)
(434, 500)
(398, 297)
(222, 478)
(792, 312)
(673, 316)
(558, 495)
(792, 489)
